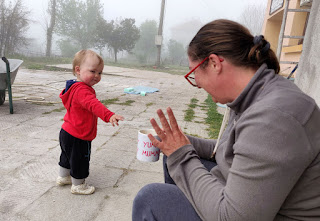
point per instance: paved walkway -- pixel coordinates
(29, 145)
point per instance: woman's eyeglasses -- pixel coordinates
(190, 76)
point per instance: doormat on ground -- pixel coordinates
(142, 90)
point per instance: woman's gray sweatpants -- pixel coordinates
(164, 201)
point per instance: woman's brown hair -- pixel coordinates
(234, 42)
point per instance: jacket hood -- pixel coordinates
(67, 94)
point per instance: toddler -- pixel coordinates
(80, 121)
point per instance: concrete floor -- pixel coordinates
(29, 145)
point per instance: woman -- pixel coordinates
(268, 161)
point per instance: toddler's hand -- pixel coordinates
(115, 118)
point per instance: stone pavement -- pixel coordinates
(29, 144)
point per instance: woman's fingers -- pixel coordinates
(171, 136)
(156, 127)
(173, 121)
(154, 140)
(165, 125)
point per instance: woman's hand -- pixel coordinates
(172, 138)
(115, 118)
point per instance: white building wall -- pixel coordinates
(308, 72)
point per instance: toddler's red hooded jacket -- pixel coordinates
(83, 110)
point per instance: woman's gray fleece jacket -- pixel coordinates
(268, 157)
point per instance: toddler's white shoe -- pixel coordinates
(83, 189)
(64, 180)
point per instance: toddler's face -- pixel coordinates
(89, 72)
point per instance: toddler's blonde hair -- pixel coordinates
(81, 55)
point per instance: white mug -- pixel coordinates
(146, 151)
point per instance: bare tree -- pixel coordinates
(252, 17)
(13, 25)
(52, 11)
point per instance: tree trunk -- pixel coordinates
(49, 43)
(51, 27)
(13, 23)
(115, 55)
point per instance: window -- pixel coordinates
(275, 5)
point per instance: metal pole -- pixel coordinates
(9, 83)
(283, 24)
(160, 32)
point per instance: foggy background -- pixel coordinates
(182, 19)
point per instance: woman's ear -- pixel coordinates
(215, 61)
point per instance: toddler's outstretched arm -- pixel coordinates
(115, 118)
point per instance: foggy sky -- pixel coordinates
(176, 12)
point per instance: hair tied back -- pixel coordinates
(259, 39)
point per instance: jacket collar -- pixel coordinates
(252, 90)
